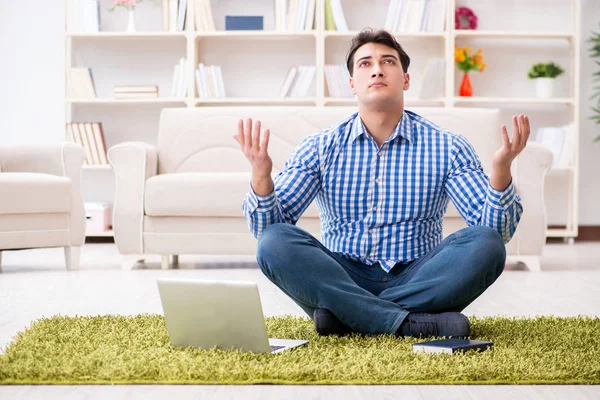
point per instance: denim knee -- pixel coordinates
(493, 247)
(271, 242)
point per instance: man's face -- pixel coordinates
(378, 78)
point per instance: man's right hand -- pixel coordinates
(255, 151)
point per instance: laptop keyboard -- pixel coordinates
(273, 348)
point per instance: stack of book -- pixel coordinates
(337, 78)
(179, 87)
(334, 16)
(299, 17)
(204, 19)
(90, 135)
(298, 81)
(135, 92)
(173, 15)
(209, 82)
(80, 83)
(416, 16)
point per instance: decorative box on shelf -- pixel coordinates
(97, 217)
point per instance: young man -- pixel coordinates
(382, 179)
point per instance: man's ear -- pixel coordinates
(352, 89)
(406, 81)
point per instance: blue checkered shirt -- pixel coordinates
(384, 204)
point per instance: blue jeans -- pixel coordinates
(365, 297)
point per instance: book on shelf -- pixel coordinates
(80, 83)
(180, 81)
(337, 79)
(203, 17)
(432, 84)
(90, 136)
(297, 16)
(83, 16)
(173, 15)
(209, 81)
(411, 16)
(244, 23)
(334, 16)
(298, 81)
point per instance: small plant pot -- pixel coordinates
(544, 87)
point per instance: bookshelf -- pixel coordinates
(255, 63)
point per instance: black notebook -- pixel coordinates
(451, 346)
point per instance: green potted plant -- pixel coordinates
(544, 74)
(595, 52)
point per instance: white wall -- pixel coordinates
(32, 89)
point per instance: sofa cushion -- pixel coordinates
(26, 193)
(199, 194)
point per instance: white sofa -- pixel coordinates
(41, 203)
(184, 195)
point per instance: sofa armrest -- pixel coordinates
(64, 159)
(530, 171)
(133, 163)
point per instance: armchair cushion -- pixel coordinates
(34, 193)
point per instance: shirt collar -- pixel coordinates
(404, 128)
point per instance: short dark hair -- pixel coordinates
(380, 36)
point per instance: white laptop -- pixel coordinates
(225, 314)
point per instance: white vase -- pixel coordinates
(131, 21)
(544, 87)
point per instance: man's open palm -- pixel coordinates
(254, 148)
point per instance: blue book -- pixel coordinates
(451, 346)
(243, 23)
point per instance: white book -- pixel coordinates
(209, 16)
(173, 15)
(206, 81)
(287, 83)
(553, 138)
(199, 81)
(92, 143)
(199, 23)
(175, 82)
(301, 15)
(338, 16)
(310, 74)
(86, 144)
(99, 138)
(440, 16)
(220, 82)
(298, 81)
(346, 79)
(328, 80)
(389, 25)
(181, 12)
(310, 16)
(165, 15)
(291, 16)
(79, 140)
(182, 84)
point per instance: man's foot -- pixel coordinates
(449, 324)
(328, 324)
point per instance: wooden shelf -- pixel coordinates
(257, 34)
(351, 34)
(258, 100)
(518, 100)
(126, 35)
(159, 100)
(561, 233)
(513, 35)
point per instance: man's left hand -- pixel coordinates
(511, 148)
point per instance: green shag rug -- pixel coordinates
(136, 350)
